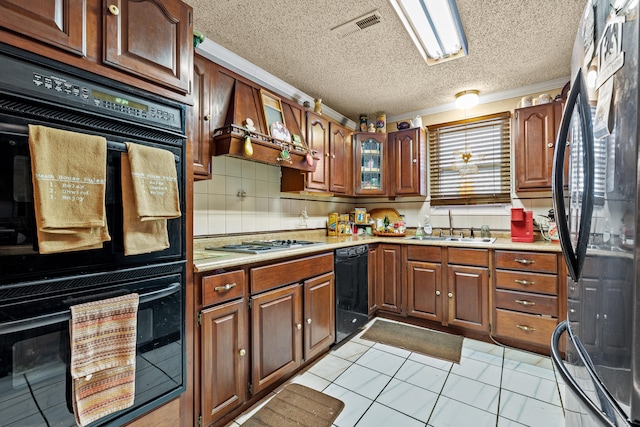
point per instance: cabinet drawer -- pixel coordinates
(530, 282)
(527, 302)
(284, 273)
(463, 256)
(222, 287)
(424, 253)
(527, 261)
(525, 327)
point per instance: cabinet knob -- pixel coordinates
(327, 154)
(114, 10)
(438, 293)
(450, 294)
(415, 160)
(242, 352)
(550, 145)
(299, 326)
(207, 117)
(605, 317)
(309, 321)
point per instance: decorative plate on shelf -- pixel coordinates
(278, 131)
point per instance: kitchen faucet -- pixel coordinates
(450, 224)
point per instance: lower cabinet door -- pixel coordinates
(424, 283)
(319, 314)
(276, 335)
(224, 359)
(468, 294)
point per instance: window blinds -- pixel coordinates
(470, 161)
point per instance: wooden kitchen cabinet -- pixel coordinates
(468, 288)
(424, 282)
(224, 359)
(340, 159)
(276, 335)
(144, 43)
(199, 120)
(370, 163)
(62, 24)
(407, 162)
(318, 137)
(285, 296)
(389, 277)
(534, 143)
(224, 344)
(150, 38)
(526, 296)
(319, 315)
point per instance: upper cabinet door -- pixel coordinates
(407, 149)
(60, 23)
(318, 140)
(150, 38)
(339, 148)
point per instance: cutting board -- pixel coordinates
(380, 213)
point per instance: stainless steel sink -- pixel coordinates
(470, 240)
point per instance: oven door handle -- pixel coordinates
(23, 131)
(61, 316)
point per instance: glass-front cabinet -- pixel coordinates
(371, 163)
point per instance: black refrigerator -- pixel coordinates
(596, 351)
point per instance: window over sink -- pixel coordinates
(469, 161)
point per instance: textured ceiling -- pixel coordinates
(511, 43)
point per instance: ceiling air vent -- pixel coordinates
(358, 24)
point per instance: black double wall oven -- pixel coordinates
(36, 290)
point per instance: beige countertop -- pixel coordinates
(205, 260)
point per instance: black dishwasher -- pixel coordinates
(352, 296)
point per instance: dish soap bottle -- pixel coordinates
(428, 229)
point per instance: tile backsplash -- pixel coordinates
(244, 196)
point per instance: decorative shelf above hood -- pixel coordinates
(241, 100)
(230, 140)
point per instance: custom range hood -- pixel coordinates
(258, 125)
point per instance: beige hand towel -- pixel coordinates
(155, 183)
(103, 356)
(139, 236)
(69, 177)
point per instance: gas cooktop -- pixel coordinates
(262, 246)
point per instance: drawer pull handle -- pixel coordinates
(525, 302)
(524, 282)
(525, 328)
(225, 287)
(524, 261)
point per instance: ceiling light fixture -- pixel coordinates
(435, 28)
(466, 99)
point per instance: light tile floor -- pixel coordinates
(387, 386)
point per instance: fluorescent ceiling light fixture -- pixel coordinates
(434, 27)
(466, 99)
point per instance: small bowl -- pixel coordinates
(403, 125)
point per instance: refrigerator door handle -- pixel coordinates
(577, 98)
(568, 378)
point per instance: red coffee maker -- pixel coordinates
(521, 225)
